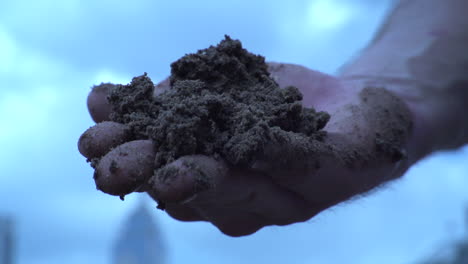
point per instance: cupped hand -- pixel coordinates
(365, 146)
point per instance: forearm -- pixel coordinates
(421, 54)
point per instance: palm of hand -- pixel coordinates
(241, 201)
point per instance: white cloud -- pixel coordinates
(25, 108)
(43, 12)
(26, 112)
(106, 75)
(25, 64)
(31, 90)
(8, 51)
(329, 14)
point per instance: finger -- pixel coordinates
(227, 220)
(101, 138)
(98, 105)
(185, 177)
(234, 223)
(125, 168)
(274, 203)
(234, 190)
(183, 213)
(247, 192)
(179, 211)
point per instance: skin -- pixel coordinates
(241, 201)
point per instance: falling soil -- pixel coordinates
(222, 102)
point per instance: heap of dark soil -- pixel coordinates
(222, 103)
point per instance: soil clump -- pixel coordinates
(222, 103)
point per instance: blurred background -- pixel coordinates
(52, 52)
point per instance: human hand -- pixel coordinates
(365, 146)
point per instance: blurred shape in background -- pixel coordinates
(140, 240)
(455, 253)
(6, 240)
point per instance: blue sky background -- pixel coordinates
(52, 52)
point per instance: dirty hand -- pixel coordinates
(365, 146)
